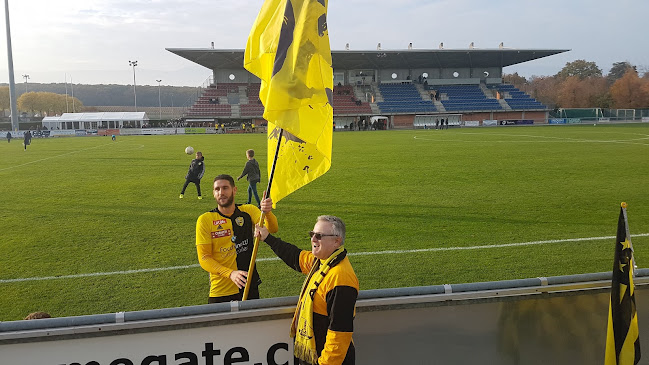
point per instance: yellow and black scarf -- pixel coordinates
(302, 325)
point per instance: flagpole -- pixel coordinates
(628, 237)
(255, 248)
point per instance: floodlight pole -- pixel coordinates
(134, 63)
(74, 109)
(12, 82)
(67, 108)
(26, 77)
(159, 100)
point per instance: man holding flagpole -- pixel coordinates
(224, 239)
(323, 322)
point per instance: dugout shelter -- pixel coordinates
(400, 84)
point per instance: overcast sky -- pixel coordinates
(92, 40)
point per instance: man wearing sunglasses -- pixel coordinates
(323, 322)
(224, 242)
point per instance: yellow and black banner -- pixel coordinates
(288, 49)
(622, 337)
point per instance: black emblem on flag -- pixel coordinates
(285, 37)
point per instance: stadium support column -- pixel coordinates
(12, 82)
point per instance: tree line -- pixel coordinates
(113, 95)
(581, 84)
(43, 103)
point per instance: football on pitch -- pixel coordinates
(189, 150)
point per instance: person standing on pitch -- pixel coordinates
(195, 174)
(8, 137)
(323, 322)
(254, 176)
(27, 139)
(224, 242)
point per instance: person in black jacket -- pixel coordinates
(254, 176)
(195, 174)
(27, 139)
(8, 137)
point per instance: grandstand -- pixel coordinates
(466, 98)
(403, 85)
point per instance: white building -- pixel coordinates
(96, 120)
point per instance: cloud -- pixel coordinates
(96, 38)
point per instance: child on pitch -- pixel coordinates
(254, 176)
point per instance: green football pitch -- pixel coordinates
(89, 225)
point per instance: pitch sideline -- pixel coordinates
(63, 154)
(437, 249)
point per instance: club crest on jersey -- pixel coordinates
(239, 221)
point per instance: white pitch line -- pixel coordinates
(540, 139)
(437, 249)
(63, 154)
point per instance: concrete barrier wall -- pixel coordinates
(556, 320)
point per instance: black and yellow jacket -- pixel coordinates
(334, 303)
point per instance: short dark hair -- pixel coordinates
(250, 153)
(225, 177)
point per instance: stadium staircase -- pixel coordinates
(425, 94)
(504, 104)
(466, 98)
(517, 99)
(236, 110)
(377, 93)
(253, 106)
(438, 104)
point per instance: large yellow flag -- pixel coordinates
(622, 337)
(288, 49)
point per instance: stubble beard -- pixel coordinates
(228, 203)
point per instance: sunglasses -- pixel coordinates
(319, 236)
